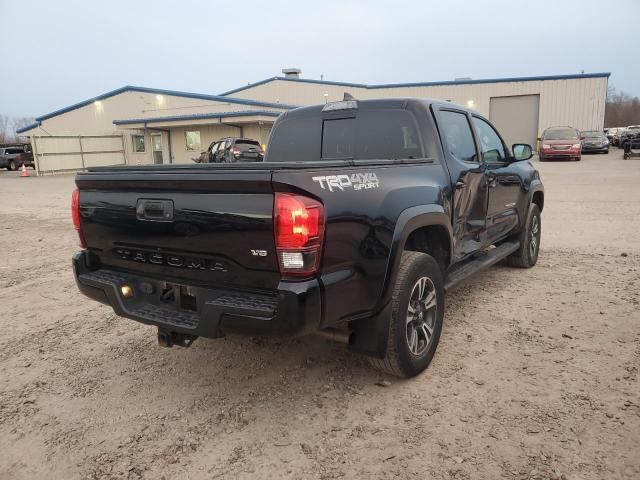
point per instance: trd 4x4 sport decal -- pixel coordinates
(355, 181)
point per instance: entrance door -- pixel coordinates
(156, 147)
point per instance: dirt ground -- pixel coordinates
(536, 376)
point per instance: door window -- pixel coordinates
(156, 147)
(492, 148)
(192, 139)
(457, 136)
(138, 143)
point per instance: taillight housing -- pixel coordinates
(75, 214)
(298, 223)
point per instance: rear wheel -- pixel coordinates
(527, 254)
(12, 165)
(417, 312)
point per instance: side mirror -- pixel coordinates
(522, 151)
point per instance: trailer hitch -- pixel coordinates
(167, 338)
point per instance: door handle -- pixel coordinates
(492, 180)
(153, 210)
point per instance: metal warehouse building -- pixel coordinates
(136, 125)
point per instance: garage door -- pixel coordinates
(516, 118)
(55, 153)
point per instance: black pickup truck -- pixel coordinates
(361, 216)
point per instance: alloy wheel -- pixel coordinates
(421, 315)
(533, 236)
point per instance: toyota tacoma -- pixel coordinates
(361, 216)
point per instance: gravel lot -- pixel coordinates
(536, 375)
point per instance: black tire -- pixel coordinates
(12, 165)
(578, 158)
(399, 359)
(526, 256)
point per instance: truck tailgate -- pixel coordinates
(209, 228)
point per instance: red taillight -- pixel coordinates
(299, 231)
(75, 214)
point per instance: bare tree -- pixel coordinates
(621, 109)
(20, 122)
(4, 128)
(9, 125)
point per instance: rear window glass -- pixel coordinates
(367, 135)
(246, 144)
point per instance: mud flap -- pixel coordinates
(370, 335)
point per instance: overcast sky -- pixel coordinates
(55, 53)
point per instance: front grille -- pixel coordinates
(560, 147)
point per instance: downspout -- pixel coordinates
(168, 132)
(234, 126)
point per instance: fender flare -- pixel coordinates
(534, 187)
(370, 334)
(410, 220)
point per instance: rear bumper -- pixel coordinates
(293, 309)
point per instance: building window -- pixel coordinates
(138, 143)
(192, 139)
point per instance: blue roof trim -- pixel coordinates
(299, 80)
(198, 116)
(28, 127)
(425, 84)
(496, 80)
(239, 89)
(158, 91)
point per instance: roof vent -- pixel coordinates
(291, 72)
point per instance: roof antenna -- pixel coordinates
(348, 96)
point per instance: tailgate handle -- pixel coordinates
(154, 210)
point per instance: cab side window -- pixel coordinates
(492, 148)
(457, 136)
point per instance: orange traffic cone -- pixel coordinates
(23, 172)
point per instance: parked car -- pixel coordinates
(14, 156)
(360, 218)
(560, 143)
(632, 131)
(619, 134)
(610, 133)
(232, 149)
(594, 141)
